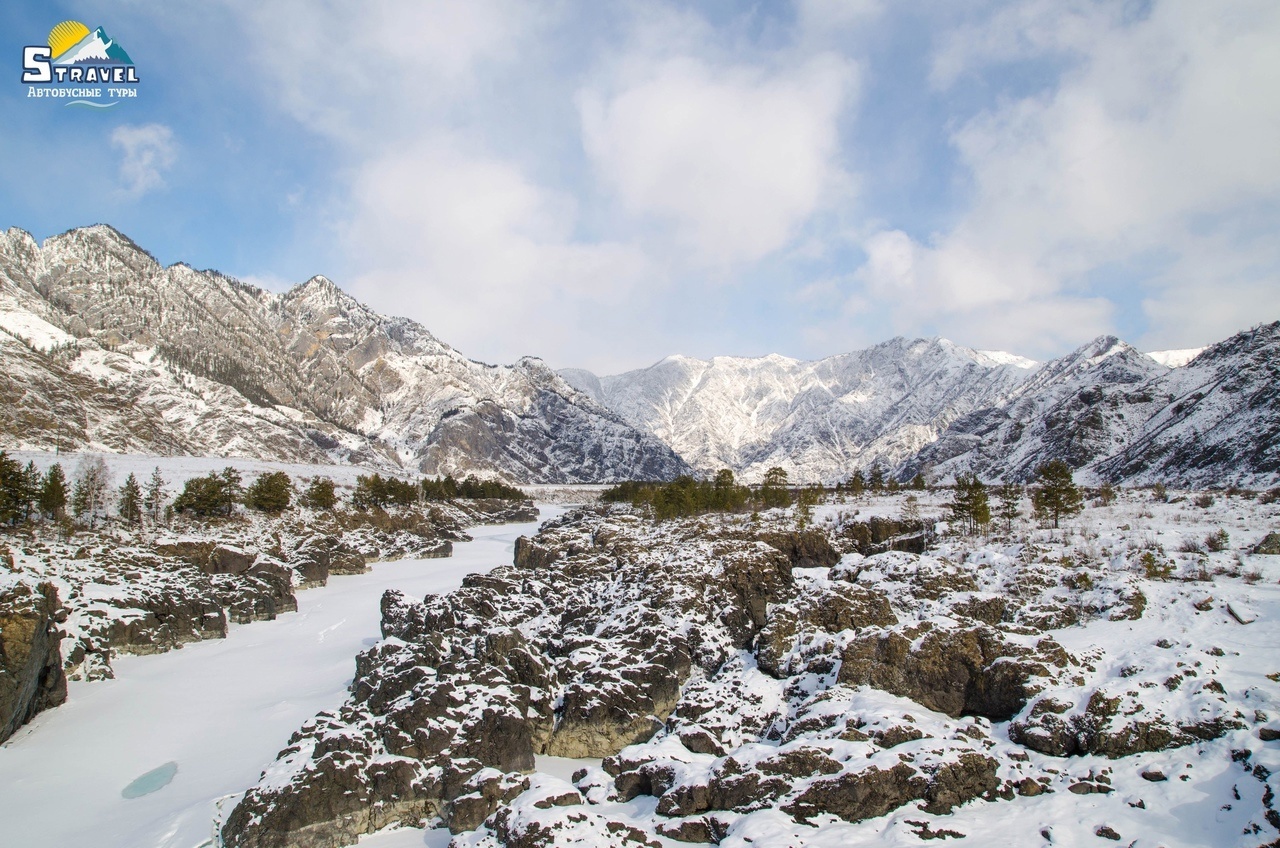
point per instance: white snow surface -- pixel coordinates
(220, 709)
(1175, 358)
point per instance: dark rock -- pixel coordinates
(698, 830)
(1269, 545)
(529, 554)
(483, 794)
(971, 671)
(227, 559)
(1102, 729)
(1106, 833)
(828, 609)
(1153, 775)
(31, 675)
(804, 548)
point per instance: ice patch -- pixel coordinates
(152, 781)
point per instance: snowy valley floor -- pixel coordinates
(220, 709)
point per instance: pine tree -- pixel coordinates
(320, 494)
(911, 511)
(270, 493)
(773, 490)
(130, 500)
(857, 483)
(30, 494)
(232, 490)
(1010, 497)
(918, 482)
(53, 492)
(154, 500)
(970, 506)
(12, 489)
(1056, 496)
(876, 481)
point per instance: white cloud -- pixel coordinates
(383, 67)
(1159, 139)
(484, 256)
(733, 159)
(147, 151)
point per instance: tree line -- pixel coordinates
(686, 496)
(26, 494)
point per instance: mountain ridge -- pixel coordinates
(106, 348)
(219, 366)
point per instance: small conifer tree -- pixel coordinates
(130, 500)
(1057, 495)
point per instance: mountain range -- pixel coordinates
(104, 348)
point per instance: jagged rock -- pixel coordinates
(228, 559)
(969, 671)
(530, 554)
(483, 793)
(259, 593)
(828, 609)
(804, 548)
(31, 675)
(1106, 727)
(1269, 545)
(319, 556)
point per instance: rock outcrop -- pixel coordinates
(31, 675)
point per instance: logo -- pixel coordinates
(80, 66)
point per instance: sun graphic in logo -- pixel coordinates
(65, 36)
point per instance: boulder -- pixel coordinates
(961, 671)
(229, 559)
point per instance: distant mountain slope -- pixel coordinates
(1218, 420)
(105, 348)
(819, 420)
(1198, 417)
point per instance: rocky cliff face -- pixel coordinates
(105, 348)
(31, 676)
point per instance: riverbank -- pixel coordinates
(219, 709)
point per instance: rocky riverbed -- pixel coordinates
(746, 682)
(69, 605)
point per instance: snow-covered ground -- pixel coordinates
(219, 709)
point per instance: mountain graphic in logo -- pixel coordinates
(72, 43)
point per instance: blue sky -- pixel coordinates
(604, 184)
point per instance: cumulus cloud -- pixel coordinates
(483, 253)
(1158, 140)
(734, 159)
(147, 151)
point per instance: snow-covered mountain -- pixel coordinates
(1215, 421)
(103, 347)
(1207, 416)
(818, 420)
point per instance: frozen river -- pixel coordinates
(220, 710)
